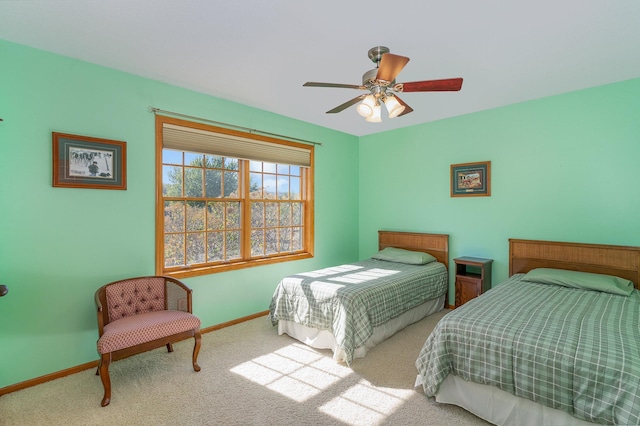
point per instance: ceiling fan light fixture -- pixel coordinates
(375, 117)
(366, 107)
(381, 84)
(394, 107)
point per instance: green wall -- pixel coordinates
(563, 168)
(58, 245)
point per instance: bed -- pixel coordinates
(351, 308)
(552, 345)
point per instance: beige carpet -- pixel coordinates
(250, 376)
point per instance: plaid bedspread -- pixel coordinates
(574, 350)
(350, 300)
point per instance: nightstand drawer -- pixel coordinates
(467, 288)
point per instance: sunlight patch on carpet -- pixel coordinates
(364, 404)
(295, 371)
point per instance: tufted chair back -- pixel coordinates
(135, 296)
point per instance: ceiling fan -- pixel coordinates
(382, 87)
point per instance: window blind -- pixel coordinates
(196, 140)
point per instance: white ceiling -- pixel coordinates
(260, 52)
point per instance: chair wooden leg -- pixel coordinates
(105, 360)
(196, 349)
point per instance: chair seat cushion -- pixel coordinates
(137, 329)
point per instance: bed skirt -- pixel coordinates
(324, 339)
(499, 407)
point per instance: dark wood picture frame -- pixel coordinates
(471, 179)
(87, 162)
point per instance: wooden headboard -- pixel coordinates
(620, 261)
(437, 245)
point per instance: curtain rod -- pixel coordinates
(246, 129)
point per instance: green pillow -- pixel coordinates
(392, 254)
(583, 280)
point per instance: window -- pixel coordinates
(229, 200)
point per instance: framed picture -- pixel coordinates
(86, 162)
(471, 179)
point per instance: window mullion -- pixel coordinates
(278, 224)
(184, 232)
(206, 209)
(264, 228)
(245, 211)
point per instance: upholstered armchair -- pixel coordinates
(139, 314)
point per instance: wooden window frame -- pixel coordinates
(245, 247)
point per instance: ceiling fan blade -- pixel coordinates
(390, 66)
(344, 86)
(407, 108)
(446, 85)
(346, 104)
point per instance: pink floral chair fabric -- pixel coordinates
(139, 314)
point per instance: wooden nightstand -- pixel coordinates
(473, 277)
